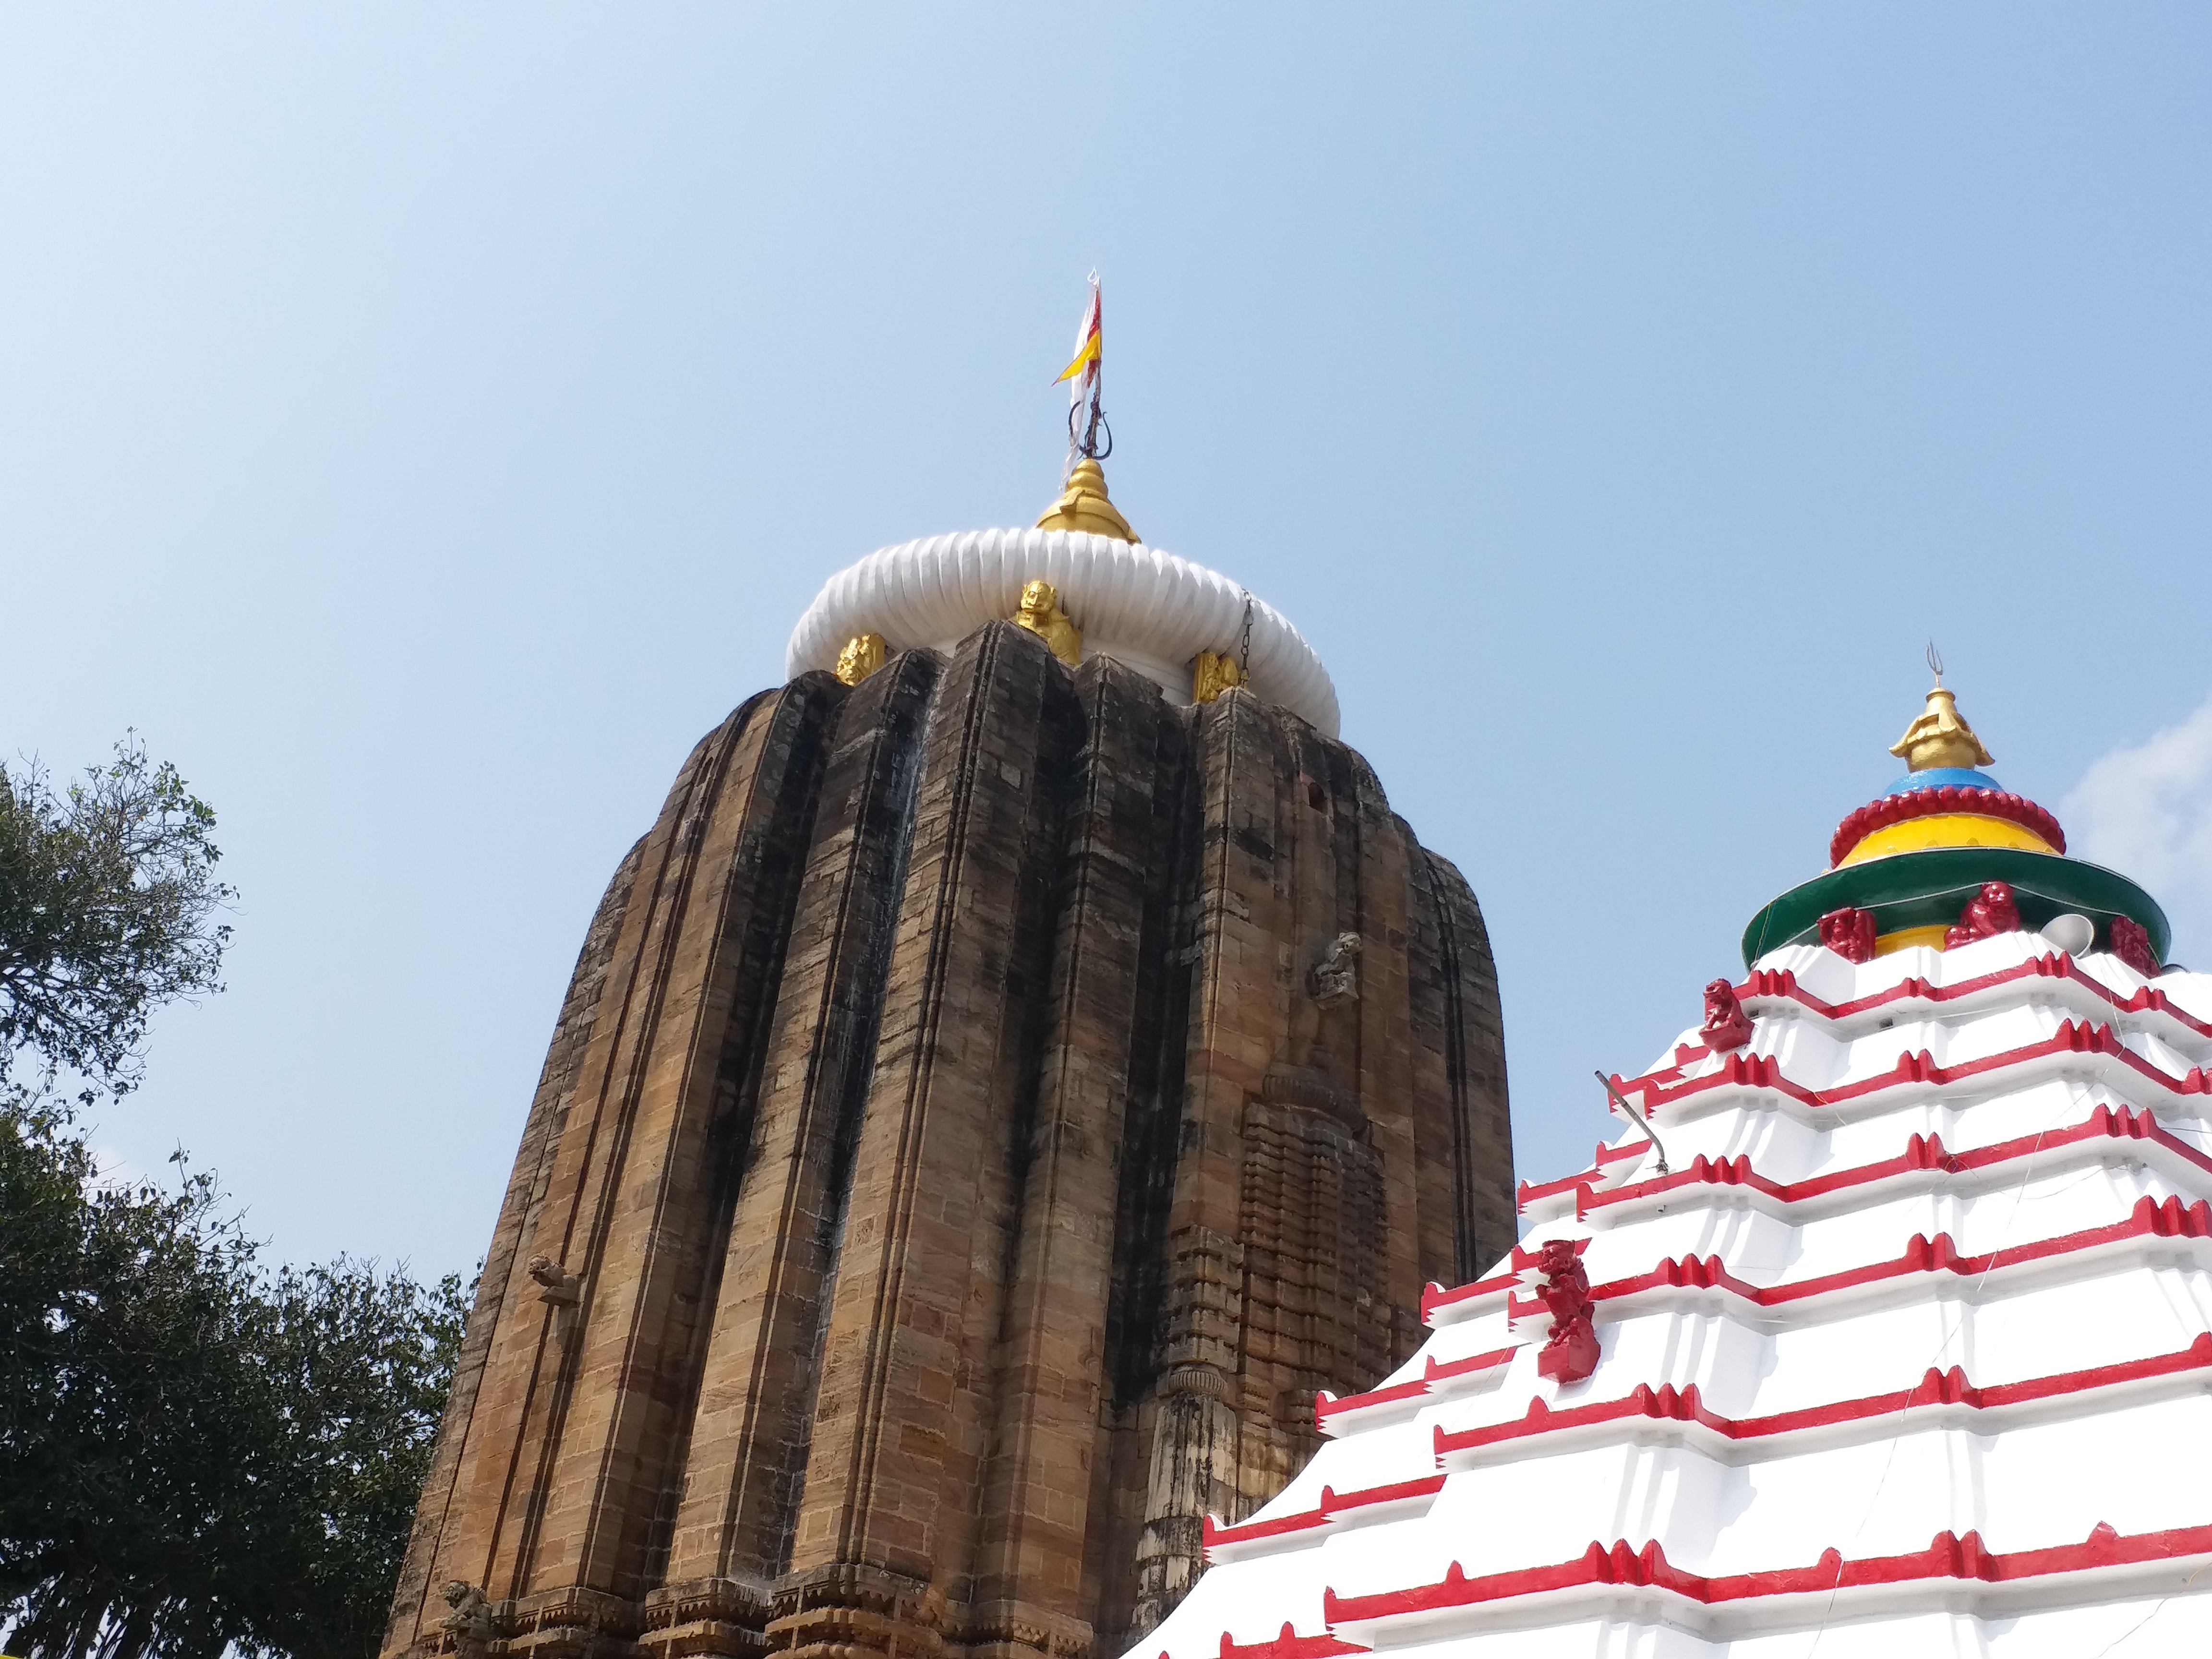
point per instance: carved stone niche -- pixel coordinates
(848, 1609)
(720, 1616)
(573, 1622)
(1312, 1223)
(1302, 1086)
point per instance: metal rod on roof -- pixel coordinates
(1640, 1119)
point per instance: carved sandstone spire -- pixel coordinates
(1082, 506)
(957, 956)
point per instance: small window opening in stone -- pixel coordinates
(1317, 797)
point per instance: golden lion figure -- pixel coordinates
(863, 654)
(1041, 614)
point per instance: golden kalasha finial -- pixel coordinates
(1212, 674)
(1939, 735)
(863, 654)
(1082, 506)
(1041, 614)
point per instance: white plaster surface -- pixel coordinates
(1147, 609)
(2133, 1455)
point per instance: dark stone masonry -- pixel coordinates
(969, 1140)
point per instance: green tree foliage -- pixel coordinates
(108, 901)
(196, 1452)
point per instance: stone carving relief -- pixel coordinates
(470, 1622)
(556, 1286)
(1336, 975)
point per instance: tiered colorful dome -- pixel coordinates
(1903, 1346)
(1913, 859)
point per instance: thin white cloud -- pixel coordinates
(112, 1170)
(2146, 812)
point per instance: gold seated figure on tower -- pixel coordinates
(1041, 614)
(863, 654)
(1212, 674)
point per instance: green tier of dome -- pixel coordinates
(1929, 889)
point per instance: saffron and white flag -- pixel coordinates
(1084, 371)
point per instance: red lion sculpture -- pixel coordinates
(1570, 1353)
(1990, 913)
(1727, 1026)
(1850, 934)
(2131, 945)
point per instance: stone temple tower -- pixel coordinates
(1023, 1062)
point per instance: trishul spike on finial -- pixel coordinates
(1940, 737)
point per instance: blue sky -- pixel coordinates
(422, 423)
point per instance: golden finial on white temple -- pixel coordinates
(1939, 735)
(1083, 505)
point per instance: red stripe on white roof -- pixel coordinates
(1333, 1506)
(1924, 1155)
(1434, 1379)
(1949, 1557)
(1781, 983)
(2149, 1218)
(1946, 1393)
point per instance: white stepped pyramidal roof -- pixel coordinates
(1908, 1352)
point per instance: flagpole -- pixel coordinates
(1086, 372)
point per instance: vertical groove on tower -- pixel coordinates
(1248, 939)
(504, 1276)
(501, 1488)
(1145, 1186)
(885, 1524)
(1051, 1349)
(1480, 1133)
(747, 1450)
(646, 1248)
